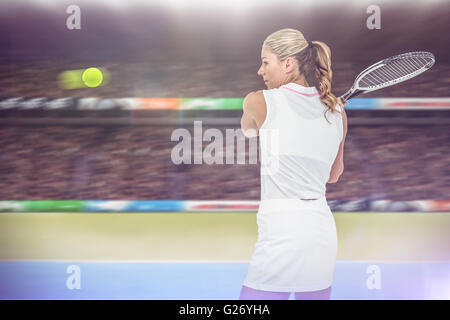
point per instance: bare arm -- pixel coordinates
(338, 166)
(251, 118)
(248, 123)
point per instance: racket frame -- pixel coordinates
(356, 90)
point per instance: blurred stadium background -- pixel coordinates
(86, 176)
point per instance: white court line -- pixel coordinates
(123, 261)
(204, 261)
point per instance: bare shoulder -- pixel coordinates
(255, 104)
(254, 101)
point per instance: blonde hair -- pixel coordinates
(314, 62)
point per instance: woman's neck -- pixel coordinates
(301, 81)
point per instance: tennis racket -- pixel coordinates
(390, 71)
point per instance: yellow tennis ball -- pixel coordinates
(92, 77)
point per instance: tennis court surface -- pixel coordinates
(189, 255)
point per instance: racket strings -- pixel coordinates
(394, 71)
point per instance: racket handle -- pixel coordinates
(349, 94)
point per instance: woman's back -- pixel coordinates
(298, 145)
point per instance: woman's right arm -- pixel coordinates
(248, 124)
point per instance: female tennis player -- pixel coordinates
(302, 128)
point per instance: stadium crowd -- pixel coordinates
(134, 163)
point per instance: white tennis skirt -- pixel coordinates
(296, 248)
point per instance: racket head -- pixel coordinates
(390, 71)
(393, 70)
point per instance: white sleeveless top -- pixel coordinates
(298, 145)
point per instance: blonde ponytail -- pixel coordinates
(324, 76)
